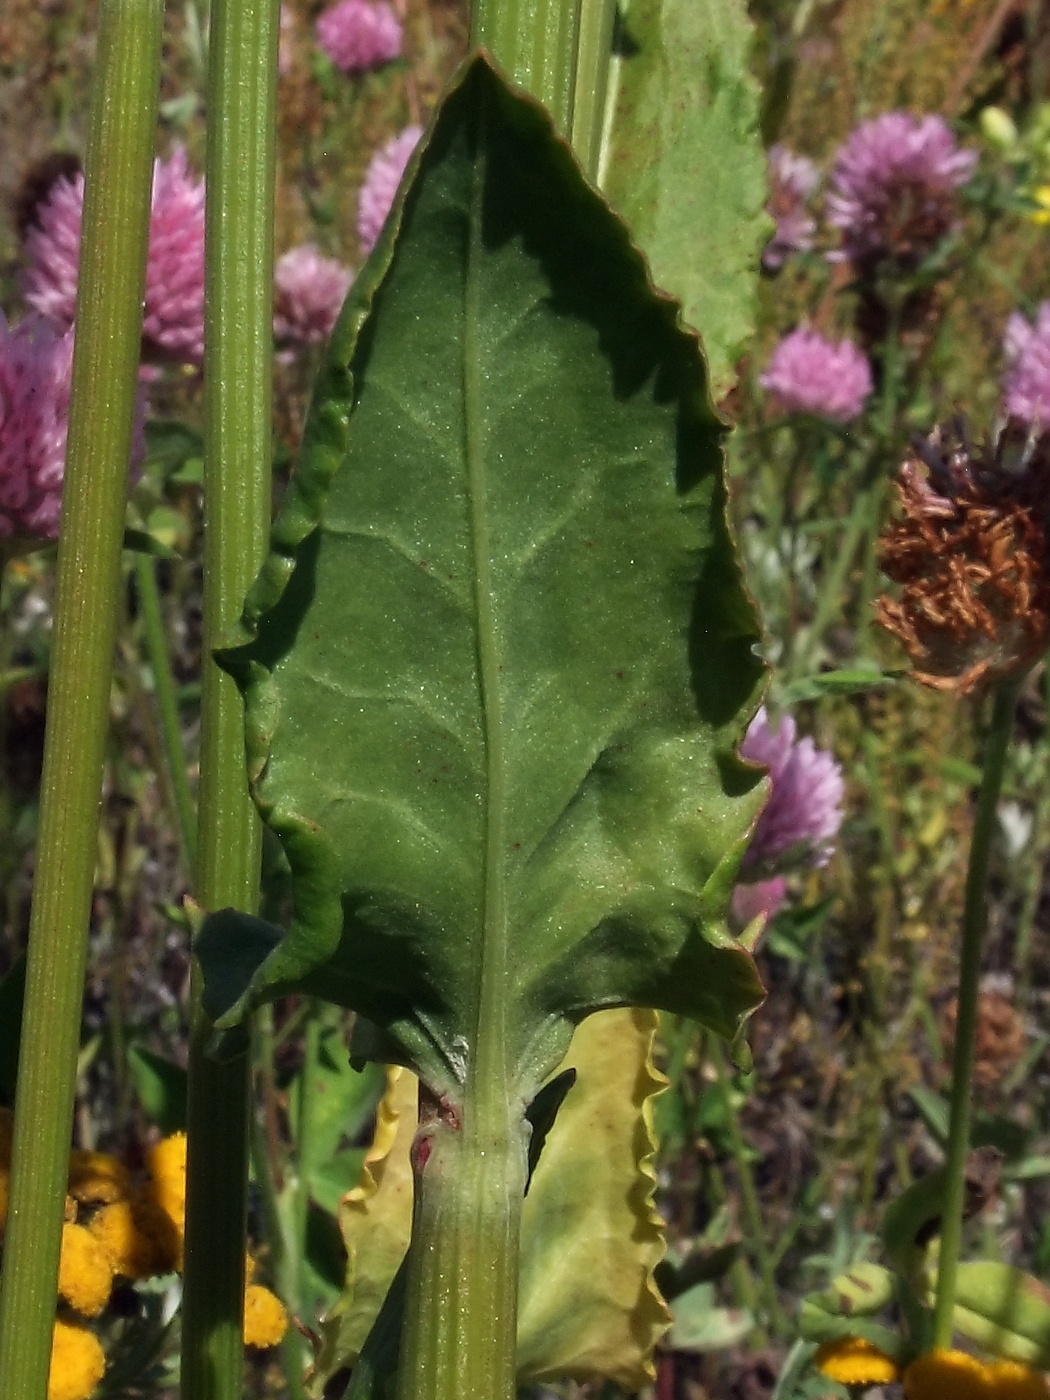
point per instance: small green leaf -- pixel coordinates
(140, 542)
(330, 1181)
(856, 682)
(685, 164)
(340, 1102)
(161, 1087)
(172, 445)
(700, 1325)
(497, 662)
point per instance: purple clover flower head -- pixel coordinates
(173, 312)
(359, 34)
(792, 179)
(893, 187)
(384, 174)
(35, 367)
(808, 374)
(763, 899)
(52, 247)
(36, 364)
(173, 319)
(308, 292)
(1026, 382)
(803, 813)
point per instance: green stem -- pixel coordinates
(749, 1195)
(242, 80)
(102, 411)
(974, 920)
(593, 63)
(830, 597)
(535, 42)
(458, 1340)
(741, 1276)
(167, 705)
(284, 1260)
(1035, 866)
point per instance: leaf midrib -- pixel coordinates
(487, 1068)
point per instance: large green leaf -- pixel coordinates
(498, 659)
(684, 163)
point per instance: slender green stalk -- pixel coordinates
(458, 1341)
(102, 410)
(1035, 865)
(284, 1259)
(749, 1195)
(242, 80)
(167, 705)
(741, 1274)
(974, 920)
(859, 525)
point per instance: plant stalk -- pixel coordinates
(460, 1330)
(975, 917)
(535, 42)
(241, 158)
(102, 412)
(285, 1260)
(752, 1207)
(593, 63)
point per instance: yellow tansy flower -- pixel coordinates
(167, 1168)
(947, 1375)
(157, 1223)
(77, 1362)
(134, 1250)
(85, 1274)
(95, 1178)
(1012, 1381)
(265, 1319)
(853, 1361)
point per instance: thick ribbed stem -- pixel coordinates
(102, 411)
(458, 1341)
(238, 370)
(535, 42)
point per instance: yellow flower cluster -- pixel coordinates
(955, 1375)
(938, 1375)
(853, 1361)
(117, 1228)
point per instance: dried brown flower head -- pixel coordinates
(1000, 1037)
(971, 555)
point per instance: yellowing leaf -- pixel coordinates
(375, 1220)
(590, 1234)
